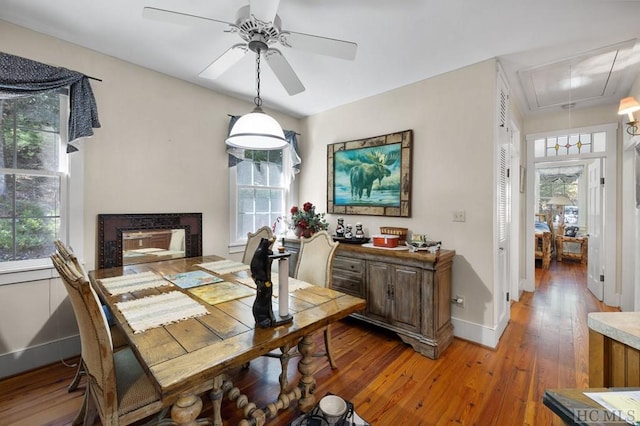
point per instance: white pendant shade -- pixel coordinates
(256, 130)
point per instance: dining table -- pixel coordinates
(190, 320)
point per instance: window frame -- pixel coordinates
(71, 198)
(238, 245)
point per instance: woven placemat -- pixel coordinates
(132, 282)
(158, 310)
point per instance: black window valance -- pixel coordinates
(23, 77)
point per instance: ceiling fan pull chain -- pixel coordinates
(257, 100)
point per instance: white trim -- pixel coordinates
(477, 333)
(40, 355)
(612, 273)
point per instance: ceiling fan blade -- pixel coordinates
(284, 72)
(264, 10)
(320, 45)
(224, 62)
(179, 18)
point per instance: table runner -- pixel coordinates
(158, 310)
(133, 282)
(221, 267)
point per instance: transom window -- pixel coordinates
(571, 144)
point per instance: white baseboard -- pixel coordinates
(476, 333)
(38, 356)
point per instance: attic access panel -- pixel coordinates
(592, 75)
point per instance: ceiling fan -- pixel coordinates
(260, 28)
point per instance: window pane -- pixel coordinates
(260, 174)
(573, 144)
(275, 174)
(262, 199)
(37, 196)
(6, 195)
(263, 220)
(244, 173)
(245, 200)
(539, 148)
(277, 201)
(6, 240)
(599, 140)
(38, 150)
(35, 237)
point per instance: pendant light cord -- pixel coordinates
(257, 100)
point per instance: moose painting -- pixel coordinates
(370, 176)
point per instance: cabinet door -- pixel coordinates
(405, 298)
(378, 290)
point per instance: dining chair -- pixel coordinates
(253, 239)
(117, 337)
(315, 262)
(118, 390)
(314, 265)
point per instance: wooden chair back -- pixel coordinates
(315, 259)
(97, 349)
(253, 239)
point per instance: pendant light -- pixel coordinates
(257, 130)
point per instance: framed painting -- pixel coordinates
(370, 176)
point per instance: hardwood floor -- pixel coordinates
(545, 346)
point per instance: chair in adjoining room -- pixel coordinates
(253, 239)
(117, 389)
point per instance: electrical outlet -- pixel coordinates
(459, 216)
(458, 301)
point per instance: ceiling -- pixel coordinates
(540, 44)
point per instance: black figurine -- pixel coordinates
(261, 274)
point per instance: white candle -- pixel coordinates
(283, 286)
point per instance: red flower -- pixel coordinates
(294, 209)
(307, 206)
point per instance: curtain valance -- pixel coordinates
(23, 77)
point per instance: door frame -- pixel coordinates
(610, 204)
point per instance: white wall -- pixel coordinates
(452, 118)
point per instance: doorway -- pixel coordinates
(587, 147)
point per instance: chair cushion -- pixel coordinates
(135, 389)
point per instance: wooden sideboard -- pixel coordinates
(408, 293)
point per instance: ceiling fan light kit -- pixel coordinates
(258, 131)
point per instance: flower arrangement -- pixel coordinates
(306, 221)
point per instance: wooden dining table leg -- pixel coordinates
(216, 399)
(307, 368)
(186, 409)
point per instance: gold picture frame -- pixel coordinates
(371, 176)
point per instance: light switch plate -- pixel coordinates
(459, 216)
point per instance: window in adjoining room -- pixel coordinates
(33, 175)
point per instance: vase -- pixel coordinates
(303, 232)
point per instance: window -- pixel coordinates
(571, 144)
(259, 190)
(33, 173)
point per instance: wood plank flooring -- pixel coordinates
(545, 346)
